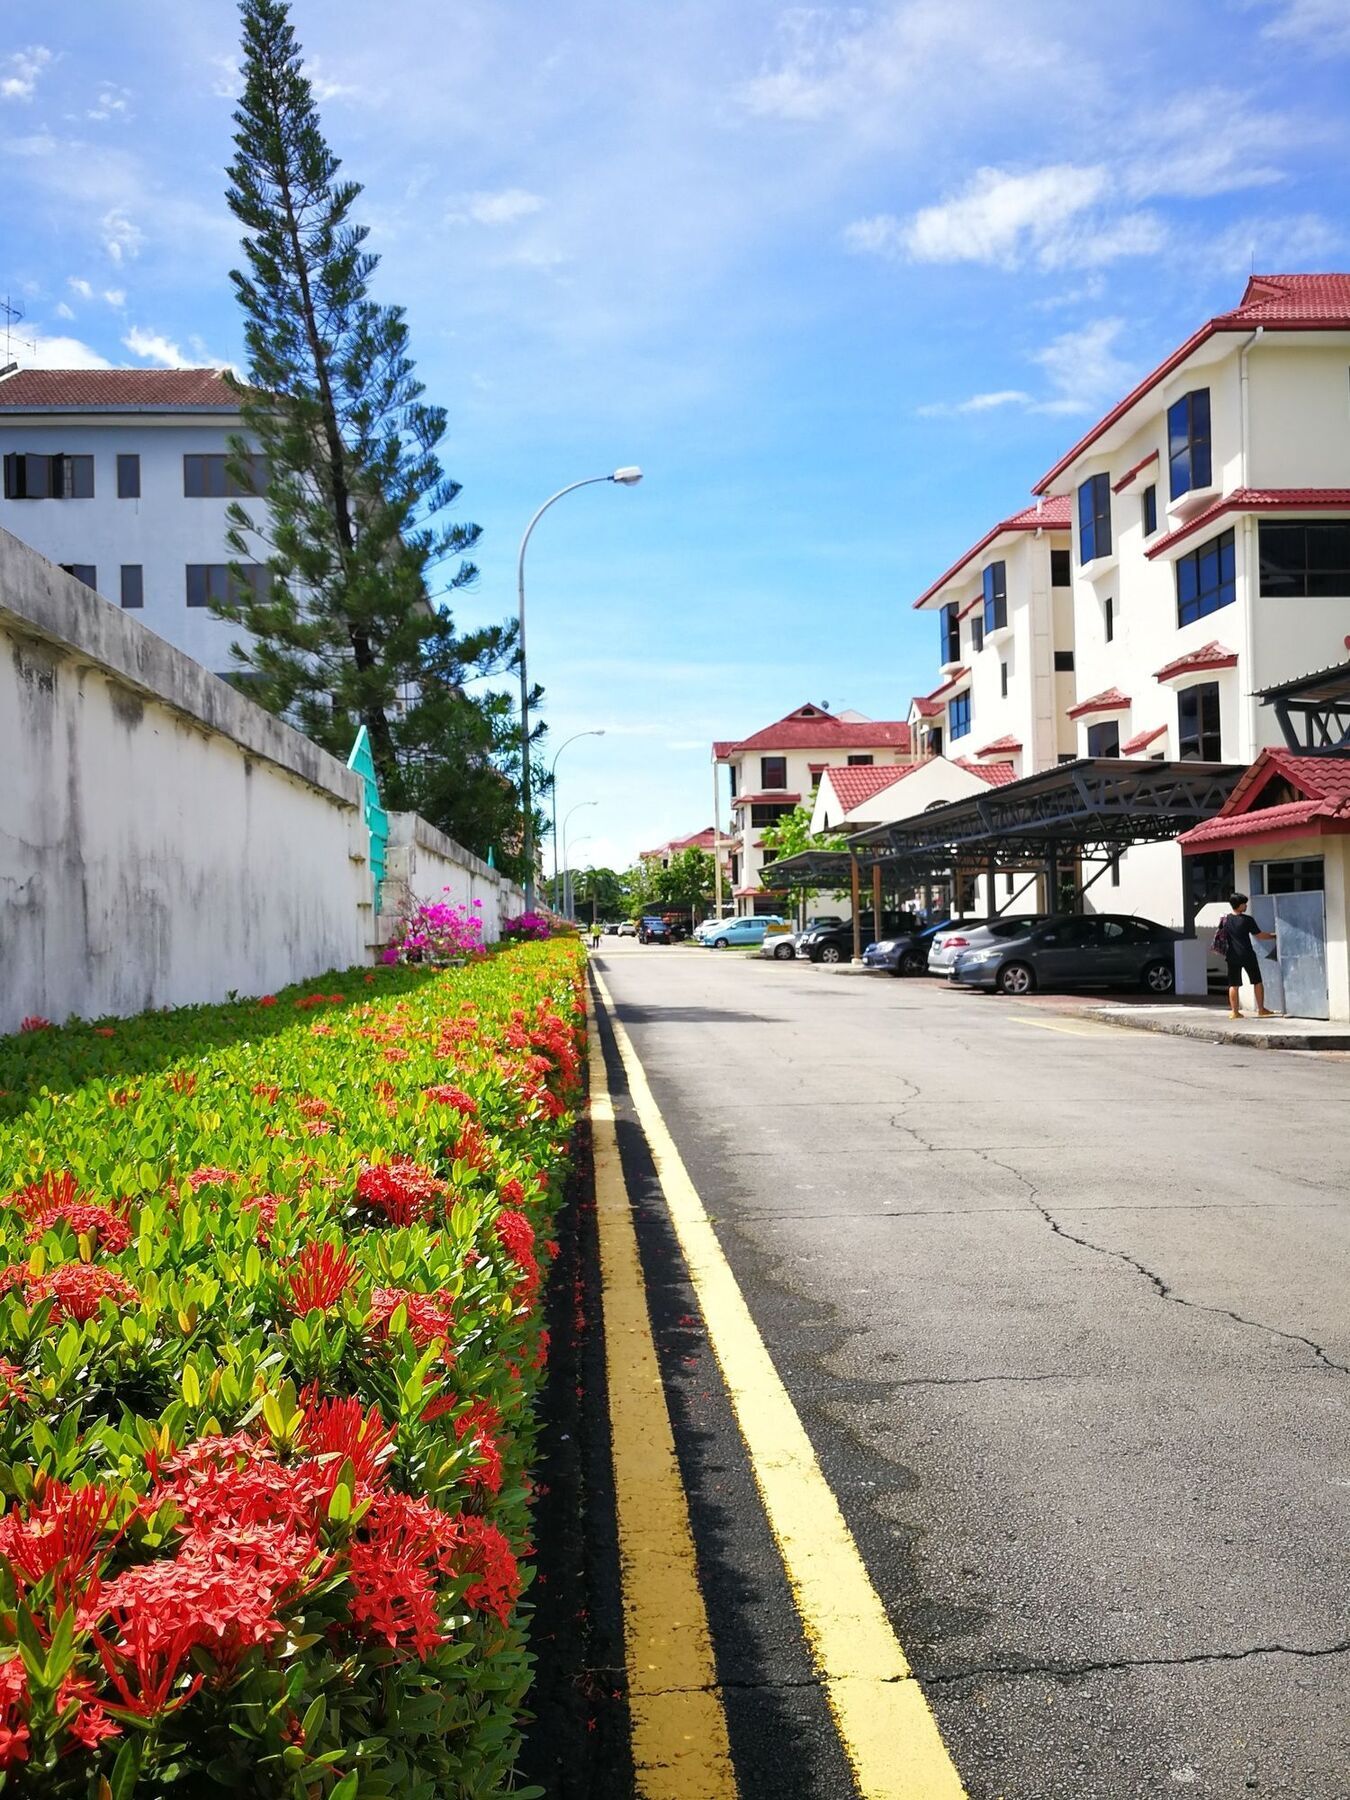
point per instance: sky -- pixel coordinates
(842, 279)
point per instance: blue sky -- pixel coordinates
(842, 279)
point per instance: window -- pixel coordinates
(1059, 569)
(1008, 885)
(1188, 458)
(773, 771)
(1211, 877)
(935, 740)
(1149, 508)
(1104, 739)
(209, 584)
(1064, 662)
(769, 812)
(1110, 618)
(133, 585)
(1300, 875)
(1206, 579)
(208, 478)
(48, 477)
(1198, 737)
(1066, 756)
(951, 633)
(861, 762)
(977, 634)
(1094, 518)
(958, 716)
(1003, 679)
(995, 597)
(1114, 866)
(732, 772)
(129, 477)
(85, 572)
(1305, 558)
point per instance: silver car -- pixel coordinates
(972, 934)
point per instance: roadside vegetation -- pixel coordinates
(269, 1333)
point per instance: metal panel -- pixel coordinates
(1301, 941)
(377, 819)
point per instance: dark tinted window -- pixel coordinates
(1104, 739)
(1059, 568)
(207, 477)
(1206, 579)
(1110, 618)
(49, 477)
(995, 597)
(85, 572)
(1064, 662)
(1198, 736)
(1305, 558)
(958, 716)
(1188, 457)
(864, 761)
(133, 585)
(1094, 518)
(209, 583)
(951, 633)
(773, 771)
(1150, 511)
(129, 477)
(1003, 680)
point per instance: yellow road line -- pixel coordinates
(679, 1731)
(1082, 1030)
(884, 1722)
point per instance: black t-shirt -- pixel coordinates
(1239, 929)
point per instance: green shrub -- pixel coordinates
(269, 1331)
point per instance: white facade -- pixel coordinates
(161, 531)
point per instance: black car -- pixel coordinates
(1075, 950)
(834, 943)
(653, 929)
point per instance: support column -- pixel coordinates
(717, 844)
(876, 903)
(991, 871)
(854, 891)
(1052, 879)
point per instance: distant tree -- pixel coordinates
(789, 836)
(346, 630)
(687, 880)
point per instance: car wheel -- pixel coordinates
(1159, 978)
(719, 943)
(831, 954)
(783, 953)
(1016, 978)
(914, 962)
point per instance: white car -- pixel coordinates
(780, 943)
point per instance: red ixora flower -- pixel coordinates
(472, 1147)
(267, 999)
(78, 1289)
(445, 1095)
(60, 1533)
(210, 1176)
(336, 1429)
(429, 1316)
(13, 1700)
(482, 1422)
(401, 1189)
(55, 1199)
(36, 1022)
(322, 1275)
(515, 1235)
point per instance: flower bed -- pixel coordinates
(268, 1337)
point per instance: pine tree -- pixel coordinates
(344, 632)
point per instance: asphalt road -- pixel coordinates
(1064, 1310)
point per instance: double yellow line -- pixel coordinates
(680, 1743)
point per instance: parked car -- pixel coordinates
(1075, 950)
(959, 935)
(628, 928)
(780, 943)
(745, 934)
(653, 929)
(904, 954)
(612, 928)
(834, 943)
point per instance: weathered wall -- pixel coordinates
(162, 840)
(424, 864)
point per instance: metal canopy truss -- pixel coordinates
(832, 871)
(1314, 711)
(1098, 805)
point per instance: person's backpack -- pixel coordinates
(1220, 941)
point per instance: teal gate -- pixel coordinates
(377, 819)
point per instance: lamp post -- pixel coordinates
(568, 883)
(566, 816)
(628, 477)
(553, 786)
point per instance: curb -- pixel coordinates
(1209, 1034)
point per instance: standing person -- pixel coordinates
(1238, 932)
(595, 934)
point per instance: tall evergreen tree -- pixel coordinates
(345, 632)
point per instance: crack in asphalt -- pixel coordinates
(1163, 1290)
(1195, 1659)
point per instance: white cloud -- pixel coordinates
(977, 403)
(154, 347)
(78, 285)
(122, 239)
(63, 353)
(1084, 368)
(1285, 241)
(20, 71)
(1055, 217)
(505, 207)
(63, 311)
(113, 102)
(1322, 23)
(115, 296)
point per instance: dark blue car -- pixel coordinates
(907, 955)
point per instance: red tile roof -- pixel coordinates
(1208, 656)
(700, 840)
(749, 893)
(927, 709)
(999, 744)
(997, 774)
(1142, 739)
(118, 390)
(1245, 500)
(1322, 781)
(1278, 302)
(1120, 486)
(764, 799)
(812, 728)
(1050, 515)
(945, 687)
(853, 784)
(1109, 700)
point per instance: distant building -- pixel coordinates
(119, 476)
(700, 840)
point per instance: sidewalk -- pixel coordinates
(1211, 1023)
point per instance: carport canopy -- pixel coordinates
(1092, 806)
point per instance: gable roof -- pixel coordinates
(1213, 655)
(1322, 782)
(853, 785)
(1142, 739)
(1050, 515)
(1109, 700)
(117, 390)
(1277, 302)
(811, 728)
(996, 774)
(1005, 744)
(1244, 500)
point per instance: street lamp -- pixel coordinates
(569, 884)
(566, 866)
(553, 785)
(627, 477)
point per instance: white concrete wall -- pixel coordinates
(163, 531)
(423, 864)
(1335, 852)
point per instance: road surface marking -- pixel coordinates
(679, 1732)
(887, 1730)
(1075, 1030)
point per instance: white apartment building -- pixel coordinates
(119, 476)
(1211, 547)
(1005, 617)
(777, 769)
